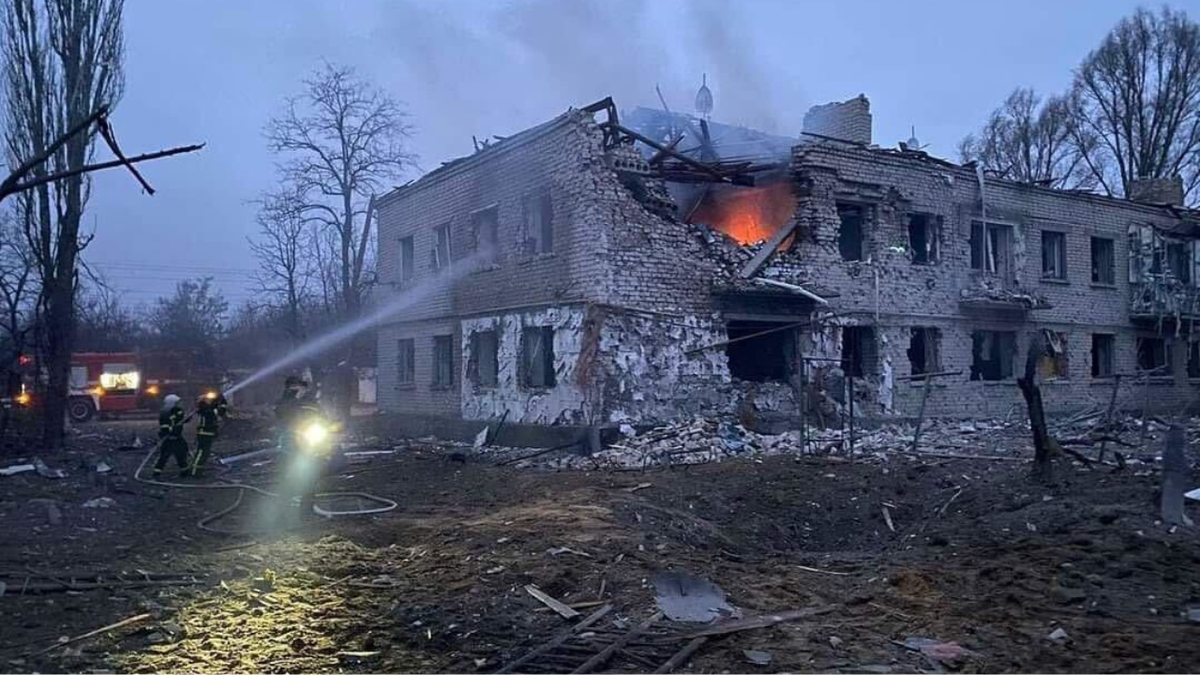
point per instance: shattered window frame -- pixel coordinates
(930, 351)
(1154, 356)
(1104, 349)
(485, 228)
(985, 239)
(760, 351)
(406, 352)
(443, 360)
(484, 366)
(859, 351)
(1001, 346)
(1054, 255)
(537, 357)
(1179, 261)
(931, 228)
(442, 247)
(1054, 363)
(1104, 273)
(852, 248)
(537, 210)
(407, 256)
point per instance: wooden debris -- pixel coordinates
(99, 631)
(887, 517)
(821, 571)
(761, 621)
(561, 609)
(607, 653)
(680, 657)
(558, 639)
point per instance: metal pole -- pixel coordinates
(851, 415)
(803, 405)
(921, 412)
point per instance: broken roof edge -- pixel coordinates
(459, 164)
(937, 163)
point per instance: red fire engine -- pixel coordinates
(117, 383)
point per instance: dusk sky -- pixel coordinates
(215, 72)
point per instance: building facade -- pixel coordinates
(564, 276)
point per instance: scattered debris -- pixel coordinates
(1058, 635)
(45, 471)
(100, 503)
(103, 467)
(62, 642)
(15, 469)
(835, 641)
(559, 608)
(946, 653)
(563, 549)
(1193, 613)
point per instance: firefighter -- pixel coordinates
(170, 435)
(211, 408)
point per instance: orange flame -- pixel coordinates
(748, 215)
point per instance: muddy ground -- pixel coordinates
(978, 556)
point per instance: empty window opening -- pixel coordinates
(487, 238)
(923, 234)
(1103, 261)
(992, 354)
(760, 351)
(858, 351)
(1153, 356)
(443, 360)
(484, 365)
(539, 223)
(850, 232)
(1052, 364)
(1179, 262)
(993, 252)
(406, 259)
(1102, 355)
(405, 361)
(1054, 255)
(1193, 363)
(537, 357)
(923, 350)
(441, 248)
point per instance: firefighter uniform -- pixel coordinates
(170, 435)
(209, 410)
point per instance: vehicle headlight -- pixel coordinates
(315, 433)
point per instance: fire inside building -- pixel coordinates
(639, 268)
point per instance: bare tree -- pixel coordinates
(1030, 141)
(1138, 97)
(104, 323)
(286, 266)
(18, 294)
(340, 142)
(64, 62)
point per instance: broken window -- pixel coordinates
(1154, 355)
(485, 227)
(850, 231)
(1179, 262)
(923, 234)
(993, 252)
(441, 248)
(923, 350)
(1193, 363)
(858, 351)
(406, 259)
(537, 357)
(443, 360)
(405, 361)
(759, 351)
(1102, 355)
(1103, 267)
(1146, 253)
(539, 223)
(484, 364)
(992, 353)
(1054, 255)
(1052, 364)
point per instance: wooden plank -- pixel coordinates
(559, 608)
(112, 626)
(608, 652)
(680, 657)
(754, 622)
(767, 250)
(557, 640)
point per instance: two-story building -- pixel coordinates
(585, 273)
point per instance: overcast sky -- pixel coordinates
(215, 71)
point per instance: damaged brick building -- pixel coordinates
(600, 271)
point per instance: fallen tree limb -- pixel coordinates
(99, 631)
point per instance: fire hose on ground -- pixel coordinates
(385, 504)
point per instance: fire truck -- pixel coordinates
(107, 384)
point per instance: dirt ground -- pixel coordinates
(979, 556)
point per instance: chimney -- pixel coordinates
(844, 120)
(1156, 190)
